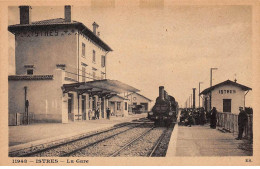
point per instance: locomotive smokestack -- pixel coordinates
(161, 92)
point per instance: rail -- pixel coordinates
(229, 122)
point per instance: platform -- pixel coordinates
(34, 134)
(204, 141)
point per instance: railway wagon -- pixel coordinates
(165, 110)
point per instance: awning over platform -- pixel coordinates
(99, 87)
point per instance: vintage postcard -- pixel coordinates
(130, 82)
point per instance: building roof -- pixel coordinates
(118, 97)
(60, 23)
(227, 82)
(100, 86)
(140, 95)
(30, 77)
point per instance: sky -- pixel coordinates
(173, 46)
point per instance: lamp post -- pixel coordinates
(211, 69)
(199, 93)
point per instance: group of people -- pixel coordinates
(193, 117)
(200, 117)
(97, 113)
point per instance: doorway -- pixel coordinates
(102, 107)
(83, 107)
(70, 107)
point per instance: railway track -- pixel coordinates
(139, 138)
(146, 145)
(130, 143)
(94, 143)
(156, 146)
(39, 149)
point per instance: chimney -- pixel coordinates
(95, 27)
(161, 92)
(25, 17)
(67, 13)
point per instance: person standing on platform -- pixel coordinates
(97, 113)
(89, 114)
(242, 121)
(27, 110)
(108, 113)
(190, 119)
(213, 118)
(202, 117)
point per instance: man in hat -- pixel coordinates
(213, 118)
(242, 121)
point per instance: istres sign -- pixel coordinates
(227, 91)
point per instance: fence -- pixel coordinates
(17, 119)
(229, 122)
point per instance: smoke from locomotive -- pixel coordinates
(165, 110)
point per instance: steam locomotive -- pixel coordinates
(165, 110)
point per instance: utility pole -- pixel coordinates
(191, 101)
(199, 93)
(211, 69)
(194, 89)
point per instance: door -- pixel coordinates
(94, 103)
(70, 107)
(206, 104)
(227, 105)
(83, 107)
(112, 107)
(102, 107)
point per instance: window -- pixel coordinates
(29, 71)
(227, 105)
(103, 61)
(118, 106)
(83, 74)
(125, 105)
(83, 49)
(94, 56)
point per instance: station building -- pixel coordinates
(138, 99)
(60, 70)
(118, 105)
(226, 96)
